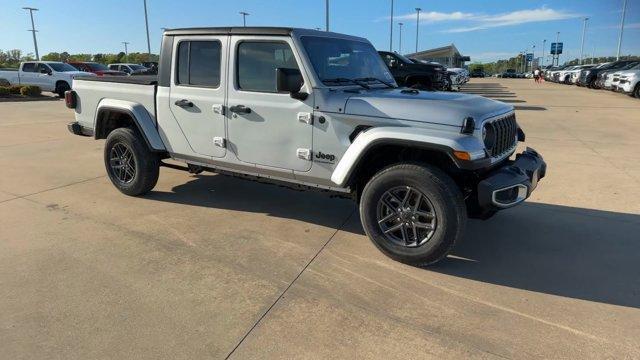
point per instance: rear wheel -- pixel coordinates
(636, 91)
(413, 213)
(132, 167)
(61, 87)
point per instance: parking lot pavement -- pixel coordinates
(211, 266)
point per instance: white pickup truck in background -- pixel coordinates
(51, 76)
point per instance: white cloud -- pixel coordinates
(434, 16)
(514, 18)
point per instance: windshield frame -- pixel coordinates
(308, 63)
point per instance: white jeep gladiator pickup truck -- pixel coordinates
(51, 76)
(313, 110)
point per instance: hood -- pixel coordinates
(426, 106)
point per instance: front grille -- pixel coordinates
(505, 129)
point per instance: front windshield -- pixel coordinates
(62, 67)
(137, 67)
(333, 59)
(97, 67)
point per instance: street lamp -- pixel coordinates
(146, 23)
(326, 15)
(126, 50)
(33, 30)
(400, 42)
(584, 28)
(556, 55)
(244, 17)
(624, 12)
(417, 26)
(533, 55)
(391, 29)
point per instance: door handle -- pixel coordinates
(184, 103)
(240, 109)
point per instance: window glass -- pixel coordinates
(199, 63)
(335, 59)
(182, 76)
(29, 67)
(42, 67)
(257, 64)
(61, 67)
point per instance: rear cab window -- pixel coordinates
(29, 67)
(198, 63)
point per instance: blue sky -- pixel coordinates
(485, 30)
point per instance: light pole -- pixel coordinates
(533, 55)
(556, 55)
(417, 26)
(146, 24)
(400, 40)
(326, 15)
(244, 17)
(391, 29)
(126, 51)
(584, 28)
(624, 12)
(544, 44)
(33, 30)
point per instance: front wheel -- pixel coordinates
(132, 167)
(413, 213)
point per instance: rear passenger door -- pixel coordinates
(28, 73)
(197, 92)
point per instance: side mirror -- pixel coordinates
(291, 81)
(45, 71)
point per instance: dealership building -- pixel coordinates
(446, 55)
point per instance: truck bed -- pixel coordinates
(95, 92)
(135, 79)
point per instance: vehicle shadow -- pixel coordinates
(572, 252)
(231, 193)
(579, 253)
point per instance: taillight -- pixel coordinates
(70, 99)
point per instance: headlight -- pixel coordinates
(488, 136)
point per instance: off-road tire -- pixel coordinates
(636, 91)
(445, 197)
(147, 163)
(61, 87)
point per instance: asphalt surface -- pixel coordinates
(209, 266)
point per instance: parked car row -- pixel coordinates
(422, 74)
(58, 77)
(51, 76)
(620, 76)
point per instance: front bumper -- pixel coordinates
(512, 183)
(624, 86)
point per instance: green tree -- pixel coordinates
(53, 56)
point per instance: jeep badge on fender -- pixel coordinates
(325, 158)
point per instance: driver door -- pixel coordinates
(265, 127)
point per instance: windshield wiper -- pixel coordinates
(345, 80)
(378, 80)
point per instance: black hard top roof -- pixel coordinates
(249, 30)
